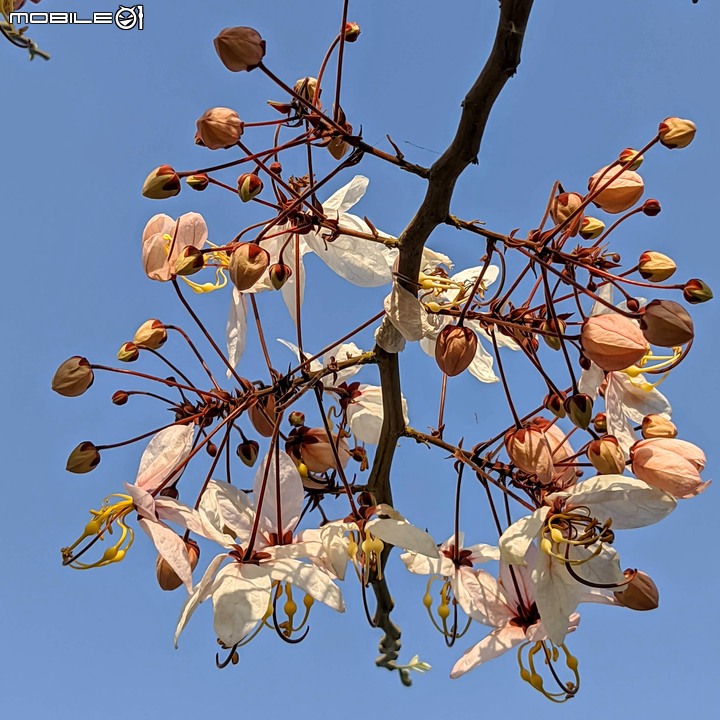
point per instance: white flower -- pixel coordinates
(365, 413)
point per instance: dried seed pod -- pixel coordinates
(263, 416)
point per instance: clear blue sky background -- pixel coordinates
(79, 135)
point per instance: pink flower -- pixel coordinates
(164, 239)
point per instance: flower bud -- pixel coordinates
(240, 48)
(666, 323)
(651, 207)
(655, 266)
(297, 419)
(189, 261)
(161, 183)
(84, 458)
(73, 377)
(606, 456)
(167, 578)
(249, 186)
(120, 397)
(455, 349)
(696, 291)
(612, 341)
(591, 228)
(248, 451)
(563, 206)
(579, 410)
(640, 593)
(275, 168)
(248, 262)
(621, 194)
(337, 147)
(279, 274)
(312, 446)
(557, 327)
(555, 404)
(600, 422)
(669, 464)
(219, 128)
(151, 335)
(656, 426)
(305, 88)
(263, 416)
(198, 182)
(676, 133)
(351, 32)
(529, 449)
(629, 154)
(128, 352)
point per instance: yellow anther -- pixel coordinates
(536, 681)
(443, 611)
(308, 601)
(546, 546)
(290, 608)
(352, 548)
(556, 535)
(433, 306)
(110, 554)
(427, 600)
(525, 675)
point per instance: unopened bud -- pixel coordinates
(279, 274)
(591, 228)
(249, 185)
(189, 261)
(640, 593)
(305, 88)
(248, 451)
(151, 335)
(198, 182)
(556, 328)
(612, 342)
(211, 449)
(697, 291)
(656, 267)
(606, 456)
(248, 262)
(563, 206)
(656, 426)
(263, 416)
(84, 458)
(128, 352)
(455, 349)
(275, 168)
(555, 404)
(219, 128)
(296, 419)
(351, 32)
(676, 133)
(620, 194)
(240, 48)
(161, 183)
(120, 397)
(579, 410)
(666, 323)
(651, 207)
(600, 422)
(167, 578)
(73, 377)
(627, 155)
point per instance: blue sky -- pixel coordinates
(80, 134)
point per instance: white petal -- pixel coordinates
(496, 643)
(224, 508)
(281, 470)
(191, 231)
(315, 365)
(483, 553)
(346, 196)
(591, 380)
(637, 402)
(431, 260)
(236, 329)
(403, 535)
(515, 541)
(310, 579)
(470, 275)
(481, 598)
(164, 452)
(365, 414)
(407, 313)
(481, 366)
(171, 547)
(389, 338)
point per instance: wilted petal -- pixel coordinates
(163, 454)
(638, 397)
(407, 314)
(389, 338)
(347, 196)
(236, 329)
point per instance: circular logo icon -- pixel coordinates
(126, 18)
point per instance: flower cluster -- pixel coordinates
(597, 455)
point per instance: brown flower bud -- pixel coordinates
(263, 416)
(219, 128)
(161, 183)
(591, 228)
(656, 267)
(351, 32)
(84, 458)
(151, 335)
(305, 88)
(313, 448)
(455, 349)
(128, 352)
(249, 186)
(612, 341)
(337, 147)
(651, 207)
(189, 261)
(555, 404)
(279, 274)
(656, 426)
(666, 323)
(529, 449)
(563, 206)
(640, 593)
(676, 133)
(240, 48)
(579, 410)
(198, 182)
(606, 455)
(248, 451)
(167, 578)
(248, 262)
(629, 154)
(697, 291)
(296, 419)
(557, 327)
(621, 194)
(275, 168)
(600, 422)
(73, 377)
(120, 397)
